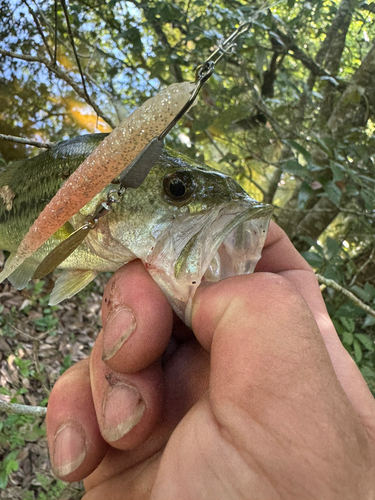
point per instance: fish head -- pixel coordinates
(191, 224)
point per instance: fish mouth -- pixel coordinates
(208, 248)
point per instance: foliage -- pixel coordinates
(16, 430)
(290, 113)
(29, 372)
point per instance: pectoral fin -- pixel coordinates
(24, 273)
(69, 283)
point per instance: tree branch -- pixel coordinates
(369, 7)
(39, 28)
(71, 37)
(24, 57)
(363, 267)
(293, 50)
(17, 409)
(233, 165)
(358, 302)
(21, 140)
(323, 211)
(63, 76)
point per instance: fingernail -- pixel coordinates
(69, 449)
(121, 323)
(123, 409)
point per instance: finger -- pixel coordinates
(185, 380)
(75, 443)
(127, 405)
(137, 320)
(270, 371)
(279, 256)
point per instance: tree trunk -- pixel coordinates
(352, 110)
(331, 51)
(357, 103)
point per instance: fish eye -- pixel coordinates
(178, 187)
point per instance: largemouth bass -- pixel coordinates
(187, 223)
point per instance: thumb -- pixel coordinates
(273, 389)
(260, 333)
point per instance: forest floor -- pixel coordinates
(37, 343)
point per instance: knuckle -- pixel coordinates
(262, 290)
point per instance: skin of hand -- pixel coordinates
(261, 402)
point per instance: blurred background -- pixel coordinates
(290, 114)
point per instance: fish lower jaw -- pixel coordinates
(231, 252)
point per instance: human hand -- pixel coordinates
(258, 403)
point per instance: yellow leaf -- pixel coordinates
(85, 118)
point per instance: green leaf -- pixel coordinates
(362, 293)
(348, 323)
(332, 247)
(294, 168)
(304, 195)
(323, 142)
(313, 258)
(357, 351)
(367, 372)
(351, 190)
(333, 192)
(349, 310)
(370, 289)
(366, 341)
(368, 197)
(313, 167)
(347, 338)
(11, 466)
(3, 479)
(369, 321)
(338, 170)
(295, 145)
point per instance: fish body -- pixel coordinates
(186, 222)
